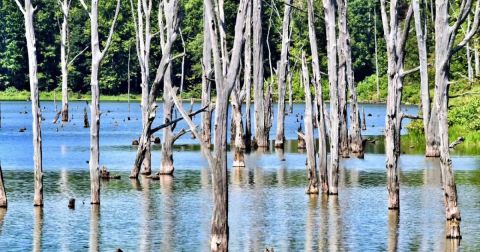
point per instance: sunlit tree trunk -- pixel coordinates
(28, 11)
(477, 58)
(97, 57)
(396, 39)
(238, 141)
(261, 130)
(247, 77)
(168, 137)
(282, 76)
(445, 37)
(342, 77)
(330, 17)
(320, 116)
(65, 8)
(308, 121)
(206, 83)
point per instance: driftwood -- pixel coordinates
(105, 174)
(55, 119)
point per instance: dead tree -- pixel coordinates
(238, 140)
(396, 39)
(3, 193)
(445, 47)
(261, 137)
(169, 12)
(308, 121)
(319, 103)
(282, 75)
(330, 17)
(247, 76)
(206, 83)
(354, 141)
(143, 40)
(97, 56)
(225, 78)
(65, 8)
(27, 9)
(342, 44)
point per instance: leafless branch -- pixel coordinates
(112, 29)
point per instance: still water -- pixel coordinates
(268, 206)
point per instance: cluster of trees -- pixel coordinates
(233, 61)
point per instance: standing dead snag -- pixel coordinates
(329, 9)
(143, 45)
(282, 75)
(65, 8)
(342, 44)
(225, 77)
(396, 39)
(354, 137)
(28, 11)
(206, 83)
(319, 104)
(247, 77)
(308, 120)
(445, 37)
(170, 11)
(261, 137)
(238, 140)
(97, 56)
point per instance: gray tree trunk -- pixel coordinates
(206, 84)
(238, 140)
(320, 116)
(282, 76)
(395, 38)
(261, 130)
(330, 17)
(342, 77)
(167, 167)
(308, 121)
(97, 57)
(477, 58)
(247, 77)
(445, 37)
(376, 51)
(65, 8)
(28, 11)
(169, 9)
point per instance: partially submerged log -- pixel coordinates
(456, 142)
(135, 142)
(301, 138)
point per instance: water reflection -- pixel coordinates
(393, 217)
(37, 229)
(93, 243)
(168, 216)
(3, 212)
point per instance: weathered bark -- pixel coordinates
(329, 9)
(346, 73)
(319, 104)
(169, 9)
(308, 121)
(261, 137)
(167, 167)
(3, 193)
(143, 45)
(28, 11)
(97, 57)
(376, 51)
(364, 120)
(342, 77)
(206, 83)
(282, 76)
(238, 140)
(431, 139)
(445, 36)
(224, 82)
(86, 123)
(65, 8)
(477, 58)
(396, 39)
(248, 76)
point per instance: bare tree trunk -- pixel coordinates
(329, 9)
(167, 37)
(3, 193)
(396, 39)
(282, 76)
(97, 57)
(248, 76)
(65, 7)
(290, 91)
(238, 141)
(477, 58)
(261, 132)
(469, 56)
(342, 77)
(376, 51)
(308, 121)
(168, 139)
(445, 37)
(28, 11)
(206, 84)
(320, 116)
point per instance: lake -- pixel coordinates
(268, 205)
